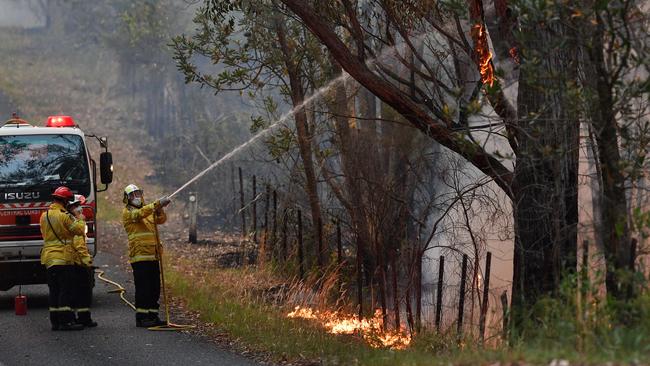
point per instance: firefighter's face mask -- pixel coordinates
(76, 209)
(136, 198)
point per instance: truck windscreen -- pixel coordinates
(39, 163)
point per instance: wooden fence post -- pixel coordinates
(194, 213)
(267, 204)
(321, 247)
(234, 194)
(461, 301)
(441, 277)
(339, 244)
(254, 214)
(275, 223)
(284, 235)
(486, 289)
(300, 252)
(241, 204)
(360, 277)
(506, 314)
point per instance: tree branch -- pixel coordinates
(390, 95)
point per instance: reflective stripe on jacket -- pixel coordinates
(139, 226)
(58, 233)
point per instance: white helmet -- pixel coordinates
(128, 190)
(78, 200)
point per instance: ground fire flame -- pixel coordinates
(483, 54)
(370, 329)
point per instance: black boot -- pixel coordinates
(142, 320)
(67, 321)
(54, 320)
(157, 320)
(145, 323)
(84, 319)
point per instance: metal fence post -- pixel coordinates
(194, 213)
(486, 293)
(461, 302)
(441, 276)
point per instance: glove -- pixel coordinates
(87, 261)
(164, 201)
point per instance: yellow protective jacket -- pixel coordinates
(139, 225)
(78, 253)
(58, 233)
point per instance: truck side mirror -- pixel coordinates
(106, 167)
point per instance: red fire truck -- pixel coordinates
(33, 162)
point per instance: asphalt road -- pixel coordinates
(28, 340)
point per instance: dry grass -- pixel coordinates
(250, 304)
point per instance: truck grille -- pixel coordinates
(20, 232)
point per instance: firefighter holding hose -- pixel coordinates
(59, 227)
(77, 254)
(140, 222)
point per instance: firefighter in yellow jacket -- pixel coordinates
(59, 228)
(139, 222)
(77, 254)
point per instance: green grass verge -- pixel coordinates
(265, 328)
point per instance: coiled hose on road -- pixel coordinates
(119, 289)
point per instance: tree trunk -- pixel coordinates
(381, 266)
(393, 264)
(348, 149)
(614, 225)
(545, 184)
(409, 307)
(304, 143)
(418, 294)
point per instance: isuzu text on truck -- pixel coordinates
(33, 162)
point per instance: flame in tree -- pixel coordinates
(370, 329)
(514, 53)
(483, 54)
